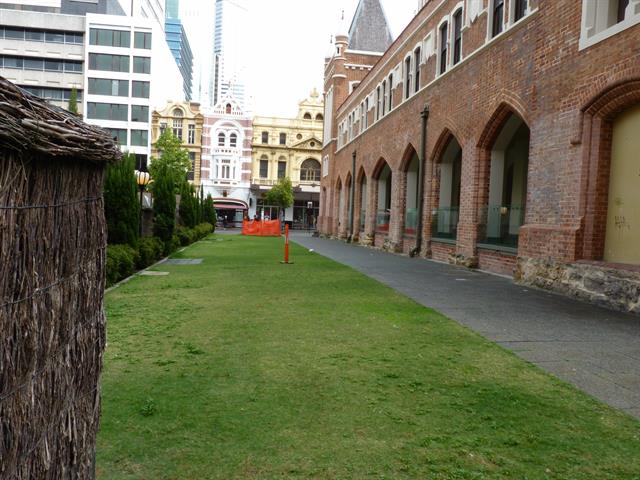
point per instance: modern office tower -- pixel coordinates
(179, 44)
(110, 59)
(229, 51)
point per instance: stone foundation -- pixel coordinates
(611, 286)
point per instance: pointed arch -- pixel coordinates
(409, 153)
(445, 138)
(377, 170)
(347, 180)
(361, 174)
(496, 122)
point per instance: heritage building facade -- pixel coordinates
(226, 160)
(186, 123)
(290, 147)
(497, 134)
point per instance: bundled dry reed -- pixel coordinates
(52, 254)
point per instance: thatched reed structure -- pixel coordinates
(52, 255)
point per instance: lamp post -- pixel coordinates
(142, 179)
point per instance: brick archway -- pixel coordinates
(597, 130)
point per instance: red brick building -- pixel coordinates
(497, 134)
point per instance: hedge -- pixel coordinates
(124, 260)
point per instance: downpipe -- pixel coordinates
(420, 193)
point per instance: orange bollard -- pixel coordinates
(286, 245)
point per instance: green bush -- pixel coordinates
(150, 250)
(121, 262)
(203, 230)
(121, 202)
(209, 211)
(188, 205)
(186, 235)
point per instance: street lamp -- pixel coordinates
(142, 179)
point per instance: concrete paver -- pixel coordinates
(595, 349)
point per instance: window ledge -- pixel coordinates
(586, 42)
(448, 241)
(497, 248)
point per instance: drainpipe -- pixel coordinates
(421, 164)
(353, 194)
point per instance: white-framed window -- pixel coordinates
(417, 57)
(384, 98)
(391, 87)
(325, 166)
(353, 86)
(427, 45)
(378, 105)
(456, 36)
(408, 76)
(518, 9)
(225, 169)
(495, 23)
(604, 18)
(443, 47)
(222, 139)
(363, 116)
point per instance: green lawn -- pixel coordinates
(245, 368)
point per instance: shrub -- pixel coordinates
(121, 262)
(209, 212)
(186, 235)
(203, 230)
(188, 206)
(150, 250)
(121, 202)
(164, 204)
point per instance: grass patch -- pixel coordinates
(242, 368)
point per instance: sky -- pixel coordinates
(287, 41)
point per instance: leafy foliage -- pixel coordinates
(281, 194)
(121, 202)
(189, 209)
(174, 160)
(164, 203)
(209, 211)
(73, 101)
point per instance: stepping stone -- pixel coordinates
(149, 273)
(184, 261)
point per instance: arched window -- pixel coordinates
(310, 171)
(444, 47)
(227, 109)
(177, 112)
(319, 117)
(221, 139)
(307, 116)
(233, 140)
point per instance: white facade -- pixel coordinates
(226, 157)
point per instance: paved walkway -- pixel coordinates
(595, 349)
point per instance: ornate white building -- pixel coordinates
(226, 159)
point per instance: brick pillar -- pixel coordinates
(370, 217)
(398, 202)
(473, 197)
(430, 203)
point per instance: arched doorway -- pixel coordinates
(411, 193)
(504, 213)
(449, 179)
(383, 199)
(622, 238)
(338, 207)
(362, 195)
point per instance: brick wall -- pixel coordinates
(535, 69)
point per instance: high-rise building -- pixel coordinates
(179, 45)
(229, 51)
(109, 56)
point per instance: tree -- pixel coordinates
(188, 205)
(281, 194)
(209, 211)
(121, 203)
(164, 203)
(73, 101)
(173, 158)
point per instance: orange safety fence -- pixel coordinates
(261, 228)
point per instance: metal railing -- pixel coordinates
(444, 222)
(383, 217)
(500, 224)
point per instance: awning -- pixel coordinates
(226, 206)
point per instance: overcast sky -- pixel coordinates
(289, 39)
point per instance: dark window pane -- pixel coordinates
(498, 14)
(34, 35)
(55, 37)
(33, 64)
(457, 42)
(444, 39)
(14, 33)
(264, 168)
(141, 65)
(140, 89)
(139, 113)
(53, 65)
(265, 137)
